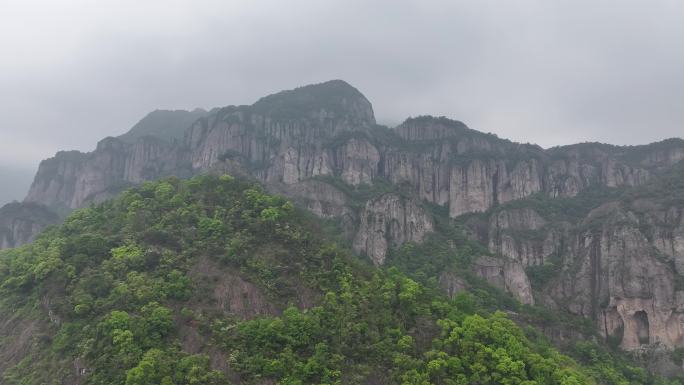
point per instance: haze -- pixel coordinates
(548, 72)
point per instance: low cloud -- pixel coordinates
(534, 71)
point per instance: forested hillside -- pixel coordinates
(213, 281)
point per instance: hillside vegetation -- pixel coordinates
(213, 281)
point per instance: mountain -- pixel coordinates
(588, 231)
(163, 124)
(212, 281)
(20, 223)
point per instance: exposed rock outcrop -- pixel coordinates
(358, 162)
(72, 179)
(286, 137)
(20, 223)
(524, 236)
(329, 129)
(390, 221)
(324, 200)
(620, 264)
(619, 278)
(505, 274)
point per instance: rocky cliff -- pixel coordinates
(544, 212)
(72, 179)
(329, 130)
(21, 222)
(390, 220)
(620, 273)
(615, 258)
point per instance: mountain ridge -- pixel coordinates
(212, 281)
(389, 187)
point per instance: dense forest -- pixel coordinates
(213, 281)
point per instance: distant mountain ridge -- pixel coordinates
(320, 146)
(163, 124)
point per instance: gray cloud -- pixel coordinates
(549, 72)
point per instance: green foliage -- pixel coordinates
(164, 125)
(384, 323)
(540, 275)
(359, 195)
(667, 188)
(332, 96)
(169, 367)
(566, 209)
(116, 287)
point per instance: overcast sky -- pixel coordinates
(547, 71)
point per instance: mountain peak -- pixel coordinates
(334, 97)
(163, 124)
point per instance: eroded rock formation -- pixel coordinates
(619, 264)
(387, 221)
(505, 274)
(20, 223)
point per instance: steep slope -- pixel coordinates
(73, 179)
(611, 255)
(211, 281)
(555, 228)
(282, 133)
(20, 223)
(328, 130)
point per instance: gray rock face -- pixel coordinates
(620, 279)
(358, 161)
(390, 221)
(329, 130)
(55, 182)
(523, 235)
(73, 179)
(513, 234)
(428, 172)
(287, 137)
(278, 152)
(620, 264)
(472, 187)
(324, 200)
(505, 274)
(21, 222)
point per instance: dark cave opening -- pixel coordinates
(642, 330)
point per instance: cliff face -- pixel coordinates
(21, 222)
(72, 179)
(287, 137)
(329, 130)
(620, 274)
(508, 275)
(390, 220)
(617, 264)
(506, 232)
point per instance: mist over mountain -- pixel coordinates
(341, 192)
(15, 183)
(298, 241)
